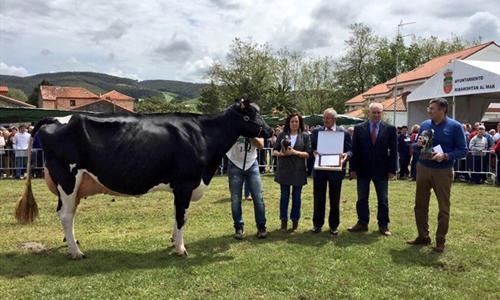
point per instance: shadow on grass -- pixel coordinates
(54, 262)
(222, 200)
(416, 256)
(307, 238)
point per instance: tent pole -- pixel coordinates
(453, 101)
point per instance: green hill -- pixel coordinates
(101, 83)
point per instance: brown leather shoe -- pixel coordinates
(384, 231)
(439, 247)
(358, 228)
(419, 241)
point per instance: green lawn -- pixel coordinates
(169, 96)
(129, 255)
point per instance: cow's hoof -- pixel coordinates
(185, 253)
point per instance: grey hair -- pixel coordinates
(376, 104)
(332, 112)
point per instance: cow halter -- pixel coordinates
(247, 119)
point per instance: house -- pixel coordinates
(11, 102)
(409, 81)
(78, 98)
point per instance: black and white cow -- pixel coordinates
(136, 154)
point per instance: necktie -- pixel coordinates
(374, 133)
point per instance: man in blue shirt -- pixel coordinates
(436, 172)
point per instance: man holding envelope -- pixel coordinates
(436, 170)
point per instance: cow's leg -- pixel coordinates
(177, 237)
(66, 212)
(182, 197)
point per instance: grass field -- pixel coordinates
(169, 96)
(129, 255)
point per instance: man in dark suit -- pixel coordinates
(375, 154)
(333, 178)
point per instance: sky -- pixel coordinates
(179, 39)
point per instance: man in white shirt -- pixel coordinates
(243, 166)
(496, 137)
(20, 144)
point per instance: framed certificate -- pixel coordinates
(330, 149)
(329, 160)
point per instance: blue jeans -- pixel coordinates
(363, 189)
(247, 189)
(285, 199)
(236, 177)
(21, 163)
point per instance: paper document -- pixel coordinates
(438, 149)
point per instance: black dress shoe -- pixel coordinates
(334, 232)
(316, 229)
(358, 228)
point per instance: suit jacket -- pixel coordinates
(374, 161)
(332, 175)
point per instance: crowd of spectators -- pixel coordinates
(13, 152)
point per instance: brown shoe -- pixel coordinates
(384, 231)
(419, 241)
(284, 224)
(295, 225)
(439, 247)
(358, 228)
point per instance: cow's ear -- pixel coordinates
(245, 103)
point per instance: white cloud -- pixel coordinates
(194, 71)
(177, 39)
(13, 71)
(120, 73)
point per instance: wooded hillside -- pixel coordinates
(102, 83)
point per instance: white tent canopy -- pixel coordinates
(469, 86)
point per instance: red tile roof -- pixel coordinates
(378, 89)
(423, 71)
(4, 89)
(15, 102)
(355, 113)
(388, 103)
(54, 92)
(431, 67)
(114, 95)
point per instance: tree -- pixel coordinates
(246, 73)
(316, 86)
(356, 70)
(210, 99)
(159, 105)
(33, 98)
(16, 94)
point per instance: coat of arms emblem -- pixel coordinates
(447, 81)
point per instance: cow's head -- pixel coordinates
(251, 122)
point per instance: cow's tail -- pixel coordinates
(26, 207)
